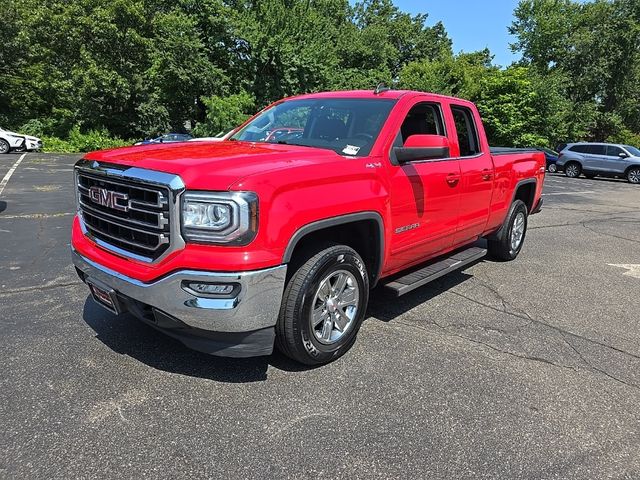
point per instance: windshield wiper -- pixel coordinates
(284, 142)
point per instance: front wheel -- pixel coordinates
(633, 175)
(508, 242)
(323, 306)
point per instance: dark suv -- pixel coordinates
(604, 159)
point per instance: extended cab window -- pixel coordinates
(466, 129)
(348, 126)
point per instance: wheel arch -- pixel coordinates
(633, 165)
(362, 231)
(525, 190)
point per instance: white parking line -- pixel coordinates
(633, 270)
(570, 193)
(6, 178)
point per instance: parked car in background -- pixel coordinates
(166, 138)
(551, 157)
(17, 142)
(604, 159)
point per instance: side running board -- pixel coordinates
(432, 271)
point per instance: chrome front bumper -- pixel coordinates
(254, 307)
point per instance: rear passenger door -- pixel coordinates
(594, 158)
(477, 173)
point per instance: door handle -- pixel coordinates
(453, 179)
(486, 174)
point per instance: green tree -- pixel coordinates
(225, 113)
(596, 46)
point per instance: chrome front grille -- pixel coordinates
(127, 211)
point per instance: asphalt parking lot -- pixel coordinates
(528, 369)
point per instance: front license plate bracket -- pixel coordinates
(104, 296)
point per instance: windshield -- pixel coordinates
(346, 125)
(632, 150)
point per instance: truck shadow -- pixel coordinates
(386, 307)
(126, 335)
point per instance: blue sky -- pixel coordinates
(471, 24)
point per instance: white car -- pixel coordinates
(11, 141)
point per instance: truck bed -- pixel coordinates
(508, 150)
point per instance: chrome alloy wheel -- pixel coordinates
(517, 232)
(634, 176)
(335, 306)
(552, 168)
(572, 170)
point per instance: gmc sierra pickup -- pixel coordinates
(278, 233)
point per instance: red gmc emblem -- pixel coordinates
(109, 199)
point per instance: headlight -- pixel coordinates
(220, 217)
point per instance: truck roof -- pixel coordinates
(390, 94)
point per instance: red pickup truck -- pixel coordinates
(269, 238)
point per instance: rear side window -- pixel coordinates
(597, 150)
(466, 130)
(613, 151)
(580, 149)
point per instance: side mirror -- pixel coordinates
(623, 155)
(423, 147)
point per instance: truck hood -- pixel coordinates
(214, 165)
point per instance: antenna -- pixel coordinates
(381, 87)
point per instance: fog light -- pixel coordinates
(211, 289)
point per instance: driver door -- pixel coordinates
(424, 194)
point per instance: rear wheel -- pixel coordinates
(509, 240)
(4, 146)
(323, 306)
(633, 175)
(552, 168)
(572, 170)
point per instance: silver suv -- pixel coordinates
(604, 159)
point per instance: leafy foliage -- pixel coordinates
(224, 113)
(596, 47)
(89, 70)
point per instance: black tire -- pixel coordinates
(295, 335)
(500, 247)
(552, 168)
(4, 146)
(633, 175)
(573, 169)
